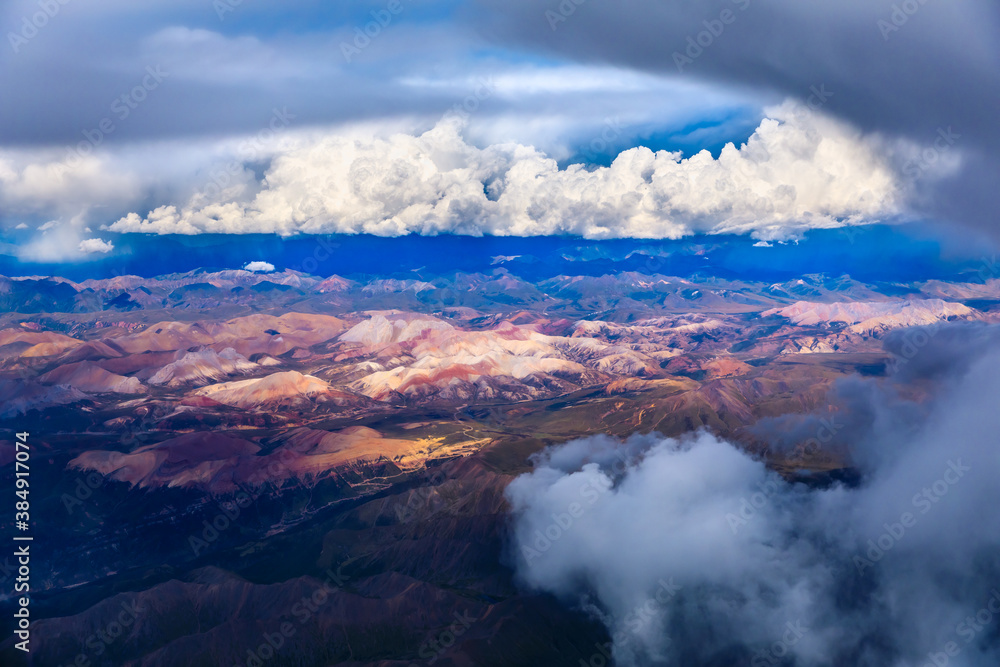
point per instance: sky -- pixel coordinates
(582, 118)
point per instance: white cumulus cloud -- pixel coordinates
(91, 246)
(263, 267)
(798, 170)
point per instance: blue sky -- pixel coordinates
(466, 117)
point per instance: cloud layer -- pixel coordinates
(799, 170)
(909, 69)
(890, 68)
(692, 552)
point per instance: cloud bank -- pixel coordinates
(890, 68)
(799, 170)
(691, 552)
(909, 69)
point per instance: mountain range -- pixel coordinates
(215, 443)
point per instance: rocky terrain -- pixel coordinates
(214, 447)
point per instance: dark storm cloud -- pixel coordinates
(863, 411)
(939, 353)
(859, 411)
(215, 83)
(225, 75)
(911, 68)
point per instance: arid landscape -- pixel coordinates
(211, 471)
(499, 333)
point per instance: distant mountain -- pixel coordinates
(37, 295)
(871, 317)
(375, 419)
(868, 253)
